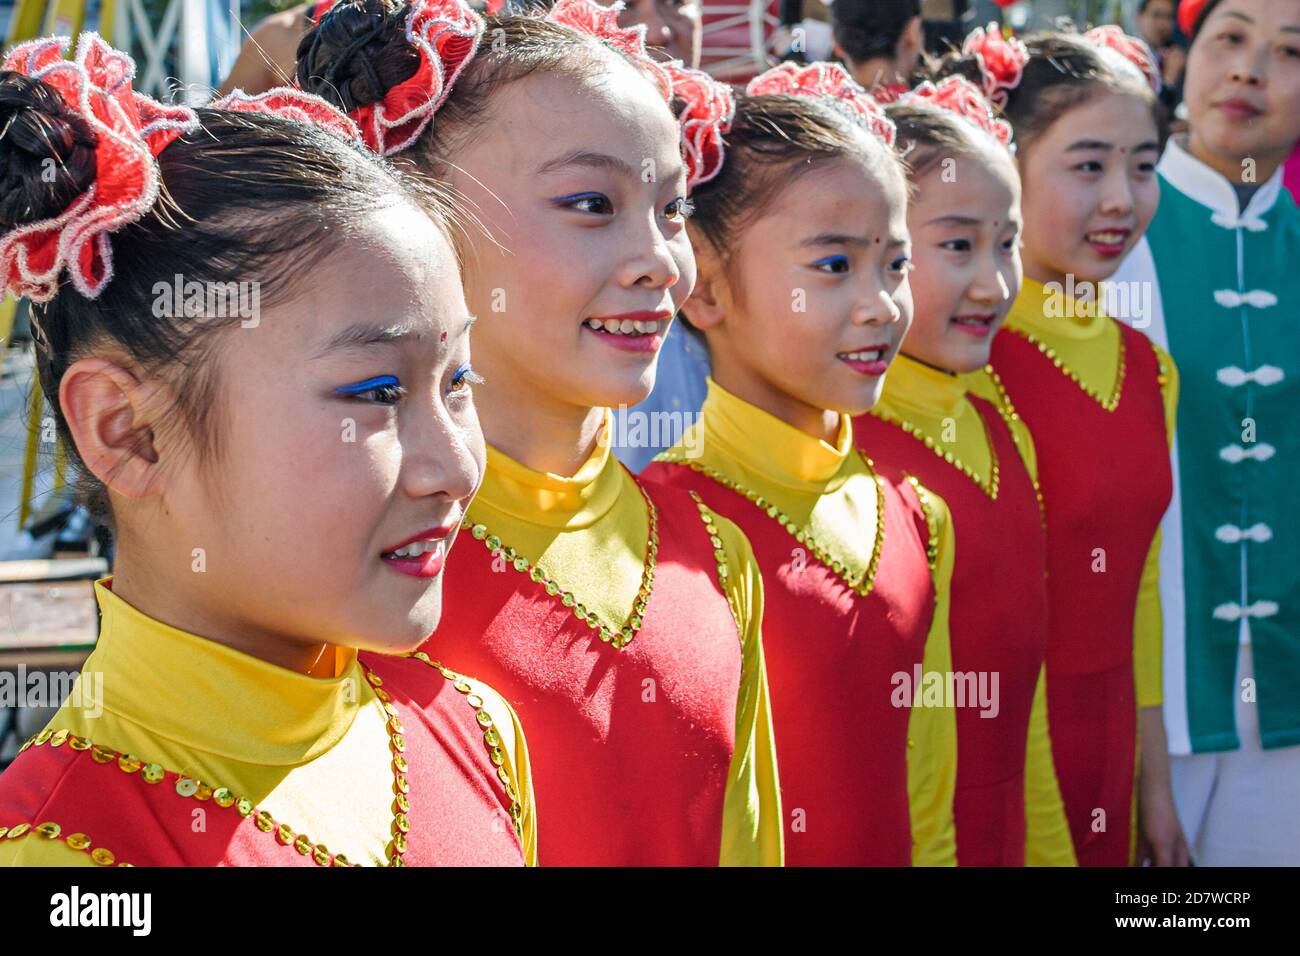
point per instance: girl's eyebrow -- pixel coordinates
(844, 239)
(955, 220)
(363, 334)
(590, 159)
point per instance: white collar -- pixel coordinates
(1193, 178)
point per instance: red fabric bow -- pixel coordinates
(587, 16)
(828, 80)
(961, 96)
(130, 131)
(1129, 47)
(1002, 61)
(292, 104)
(705, 117)
(446, 35)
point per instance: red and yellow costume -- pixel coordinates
(180, 751)
(1099, 400)
(622, 620)
(1007, 806)
(851, 564)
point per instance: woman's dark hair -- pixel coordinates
(245, 198)
(773, 141)
(359, 51)
(1064, 71)
(866, 29)
(927, 134)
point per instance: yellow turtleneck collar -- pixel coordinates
(209, 697)
(777, 452)
(551, 500)
(914, 385)
(1053, 313)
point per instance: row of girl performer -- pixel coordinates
(948, 683)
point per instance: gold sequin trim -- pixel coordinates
(190, 788)
(989, 488)
(1108, 403)
(491, 737)
(618, 637)
(49, 830)
(927, 508)
(862, 583)
(1009, 415)
(720, 556)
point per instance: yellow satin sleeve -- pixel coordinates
(1148, 624)
(752, 831)
(1047, 833)
(932, 731)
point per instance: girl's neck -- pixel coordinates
(820, 423)
(539, 431)
(153, 592)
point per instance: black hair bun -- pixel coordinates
(47, 152)
(357, 53)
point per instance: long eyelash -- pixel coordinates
(687, 208)
(368, 385)
(467, 374)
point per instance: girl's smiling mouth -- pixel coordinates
(630, 331)
(423, 555)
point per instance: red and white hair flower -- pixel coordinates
(826, 80)
(1130, 48)
(959, 95)
(601, 22)
(292, 104)
(130, 130)
(445, 34)
(1001, 60)
(707, 110)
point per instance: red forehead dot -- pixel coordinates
(443, 337)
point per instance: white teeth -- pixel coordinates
(623, 326)
(866, 355)
(416, 548)
(1110, 238)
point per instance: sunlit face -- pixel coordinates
(816, 298)
(965, 226)
(674, 26)
(1242, 87)
(1089, 188)
(349, 431)
(582, 186)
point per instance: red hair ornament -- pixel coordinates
(1001, 61)
(825, 80)
(445, 34)
(1134, 50)
(959, 95)
(292, 104)
(130, 130)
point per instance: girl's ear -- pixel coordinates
(109, 413)
(707, 306)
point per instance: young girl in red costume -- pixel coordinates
(801, 237)
(223, 717)
(1099, 399)
(621, 619)
(964, 219)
